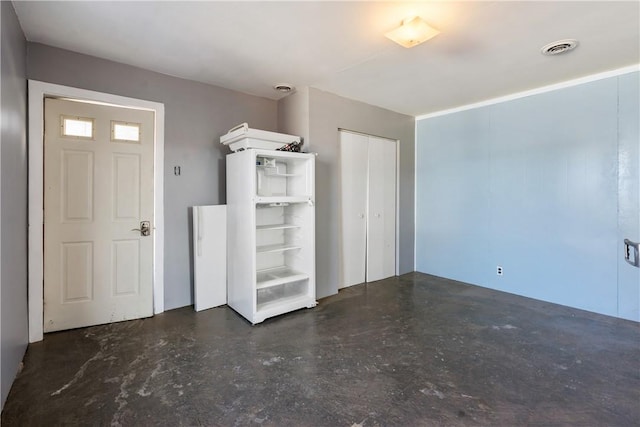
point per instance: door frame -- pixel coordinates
(37, 92)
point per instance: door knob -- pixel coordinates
(145, 228)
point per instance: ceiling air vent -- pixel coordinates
(283, 87)
(561, 46)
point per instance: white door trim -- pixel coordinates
(37, 92)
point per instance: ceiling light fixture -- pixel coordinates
(412, 32)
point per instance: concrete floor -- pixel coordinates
(408, 351)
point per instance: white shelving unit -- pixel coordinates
(271, 232)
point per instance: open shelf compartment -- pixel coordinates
(280, 247)
(276, 226)
(281, 294)
(269, 277)
(280, 175)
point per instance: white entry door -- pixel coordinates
(98, 181)
(367, 208)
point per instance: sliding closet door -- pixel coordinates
(353, 208)
(367, 208)
(381, 216)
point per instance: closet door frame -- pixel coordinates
(397, 202)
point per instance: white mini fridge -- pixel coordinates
(209, 256)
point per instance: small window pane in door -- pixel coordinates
(125, 132)
(77, 127)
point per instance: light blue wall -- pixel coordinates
(629, 190)
(531, 185)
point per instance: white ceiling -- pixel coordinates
(486, 49)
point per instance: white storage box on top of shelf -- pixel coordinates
(242, 137)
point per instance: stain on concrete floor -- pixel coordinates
(410, 350)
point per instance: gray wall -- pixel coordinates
(327, 114)
(196, 115)
(293, 115)
(545, 186)
(14, 318)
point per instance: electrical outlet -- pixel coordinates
(499, 270)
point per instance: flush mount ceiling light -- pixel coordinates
(412, 32)
(561, 46)
(283, 87)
